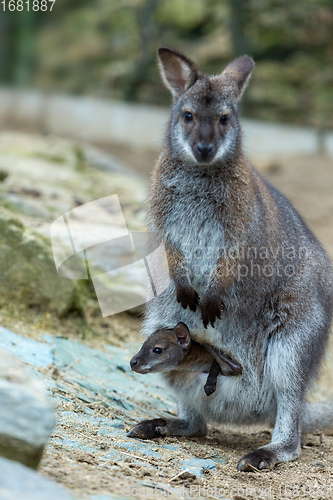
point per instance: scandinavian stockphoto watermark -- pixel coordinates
(239, 261)
(92, 241)
(283, 491)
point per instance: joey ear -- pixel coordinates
(183, 335)
(240, 71)
(178, 72)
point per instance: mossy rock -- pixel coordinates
(27, 270)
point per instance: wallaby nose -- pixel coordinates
(134, 361)
(205, 149)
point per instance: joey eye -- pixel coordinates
(224, 119)
(157, 350)
(188, 117)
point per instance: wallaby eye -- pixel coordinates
(157, 350)
(224, 119)
(188, 117)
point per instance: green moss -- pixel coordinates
(7, 204)
(3, 175)
(20, 451)
(80, 161)
(53, 158)
(27, 270)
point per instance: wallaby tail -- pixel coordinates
(318, 417)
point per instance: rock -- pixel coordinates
(33, 205)
(26, 415)
(103, 161)
(197, 466)
(27, 350)
(20, 482)
(27, 269)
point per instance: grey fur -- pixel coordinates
(276, 327)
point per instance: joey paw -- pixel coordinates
(187, 297)
(211, 308)
(149, 429)
(257, 460)
(209, 389)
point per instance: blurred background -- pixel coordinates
(108, 49)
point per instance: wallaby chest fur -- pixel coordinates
(235, 241)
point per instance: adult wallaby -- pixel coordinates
(241, 259)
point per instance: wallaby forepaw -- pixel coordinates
(211, 308)
(149, 429)
(187, 297)
(257, 460)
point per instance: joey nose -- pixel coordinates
(205, 150)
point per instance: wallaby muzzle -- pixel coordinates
(204, 152)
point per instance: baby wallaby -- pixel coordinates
(166, 350)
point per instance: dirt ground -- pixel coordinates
(308, 182)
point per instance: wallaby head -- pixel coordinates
(163, 350)
(204, 127)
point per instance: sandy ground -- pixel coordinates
(308, 182)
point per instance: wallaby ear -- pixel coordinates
(183, 335)
(178, 72)
(240, 71)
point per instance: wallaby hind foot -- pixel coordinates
(259, 459)
(148, 429)
(160, 427)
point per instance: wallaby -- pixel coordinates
(240, 258)
(166, 350)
